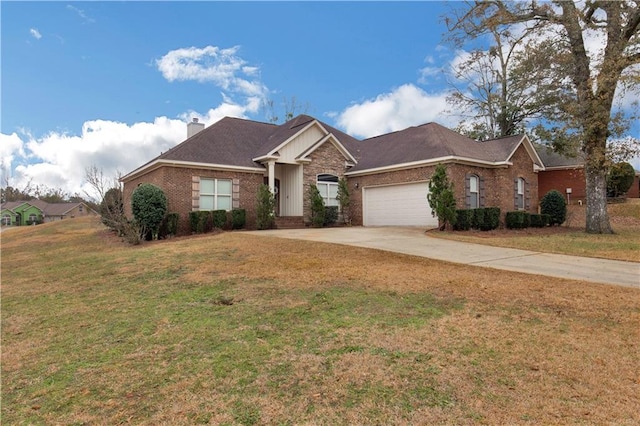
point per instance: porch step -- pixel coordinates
(289, 222)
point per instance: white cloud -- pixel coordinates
(35, 33)
(403, 107)
(222, 67)
(85, 19)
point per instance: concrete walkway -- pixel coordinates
(415, 242)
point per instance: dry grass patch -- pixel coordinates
(308, 333)
(570, 238)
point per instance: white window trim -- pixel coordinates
(328, 184)
(474, 195)
(520, 193)
(216, 194)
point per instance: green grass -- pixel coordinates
(240, 330)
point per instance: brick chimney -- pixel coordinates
(194, 127)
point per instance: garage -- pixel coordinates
(398, 205)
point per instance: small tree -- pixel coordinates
(149, 206)
(112, 209)
(441, 198)
(343, 198)
(620, 179)
(554, 205)
(317, 206)
(265, 210)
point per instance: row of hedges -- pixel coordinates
(206, 221)
(522, 219)
(484, 219)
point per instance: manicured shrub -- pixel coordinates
(149, 206)
(478, 218)
(265, 209)
(201, 221)
(517, 220)
(169, 225)
(219, 218)
(317, 207)
(554, 204)
(464, 218)
(491, 218)
(238, 218)
(330, 215)
(539, 220)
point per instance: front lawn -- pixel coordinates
(240, 329)
(569, 238)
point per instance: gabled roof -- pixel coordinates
(432, 142)
(553, 160)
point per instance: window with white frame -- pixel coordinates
(520, 193)
(6, 220)
(474, 192)
(215, 194)
(328, 186)
(33, 218)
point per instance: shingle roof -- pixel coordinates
(553, 159)
(430, 141)
(49, 209)
(230, 141)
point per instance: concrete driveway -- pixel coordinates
(415, 242)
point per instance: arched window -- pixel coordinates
(328, 186)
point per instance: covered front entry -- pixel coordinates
(398, 205)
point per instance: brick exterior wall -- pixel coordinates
(178, 186)
(326, 159)
(560, 180)
(634, 191)
(498, 183)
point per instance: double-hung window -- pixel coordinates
(520, 194)
(474, 192)
(328, 187)
(215, 194)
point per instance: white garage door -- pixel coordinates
(398, 205)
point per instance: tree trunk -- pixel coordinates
(597, 215)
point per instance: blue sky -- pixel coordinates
(113, 84)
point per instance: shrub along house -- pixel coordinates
(222, 167)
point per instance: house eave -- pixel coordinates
(191, 165)
(430, 162)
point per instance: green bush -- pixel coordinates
(619, 179)
(441, 198)
(219, 218)
(169, 225)
(491, 218)
(539, 220)
(149, 206)
(317, 207)
(330, 215)
(464, 218)
(554, 204)
(238, 218)
(201, 221)
(517, 220)
(477, 222)
(265, 209)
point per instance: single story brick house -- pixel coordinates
(222, 166)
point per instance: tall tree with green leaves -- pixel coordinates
(441, 198)
(584, 115)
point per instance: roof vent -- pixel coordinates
(194, 127)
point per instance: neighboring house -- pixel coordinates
(566, 175)
(18, 213)
(222, 166)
